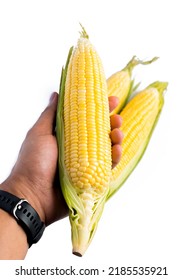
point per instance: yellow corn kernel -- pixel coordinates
(83, 135)
(121, 85)
(139, 118)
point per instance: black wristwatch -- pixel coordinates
(25, 215)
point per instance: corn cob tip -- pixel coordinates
(160, 86)
(77, 254)
(83, 32)
(136, 61)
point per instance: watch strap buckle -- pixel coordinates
(19, 207)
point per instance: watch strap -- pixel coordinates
(25, 215)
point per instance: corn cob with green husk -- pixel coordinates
(83, 128)
(139, 116)
(120, 84)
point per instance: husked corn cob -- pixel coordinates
(120, 84)
(139, 118)
(83, 128)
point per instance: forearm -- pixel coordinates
(13, 240)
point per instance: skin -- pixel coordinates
(35, 177)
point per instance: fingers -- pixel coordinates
(113, 102)
(116, 121)
(45, 123)
(116, 139)
(116, 154)
(116, 134)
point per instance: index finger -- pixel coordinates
(113, 102)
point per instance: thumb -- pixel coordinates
(46, 122)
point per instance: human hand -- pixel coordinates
(35, 175)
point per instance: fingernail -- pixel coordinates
(52, 97)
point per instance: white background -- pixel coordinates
(142, 224)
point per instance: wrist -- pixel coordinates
(22, 188)
(13, 238)
(24, 214)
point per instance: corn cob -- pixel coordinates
(120, 84)
(139, 118)
(83, 128)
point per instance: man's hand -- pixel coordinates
(35, 175)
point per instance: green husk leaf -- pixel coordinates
(136, 61)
